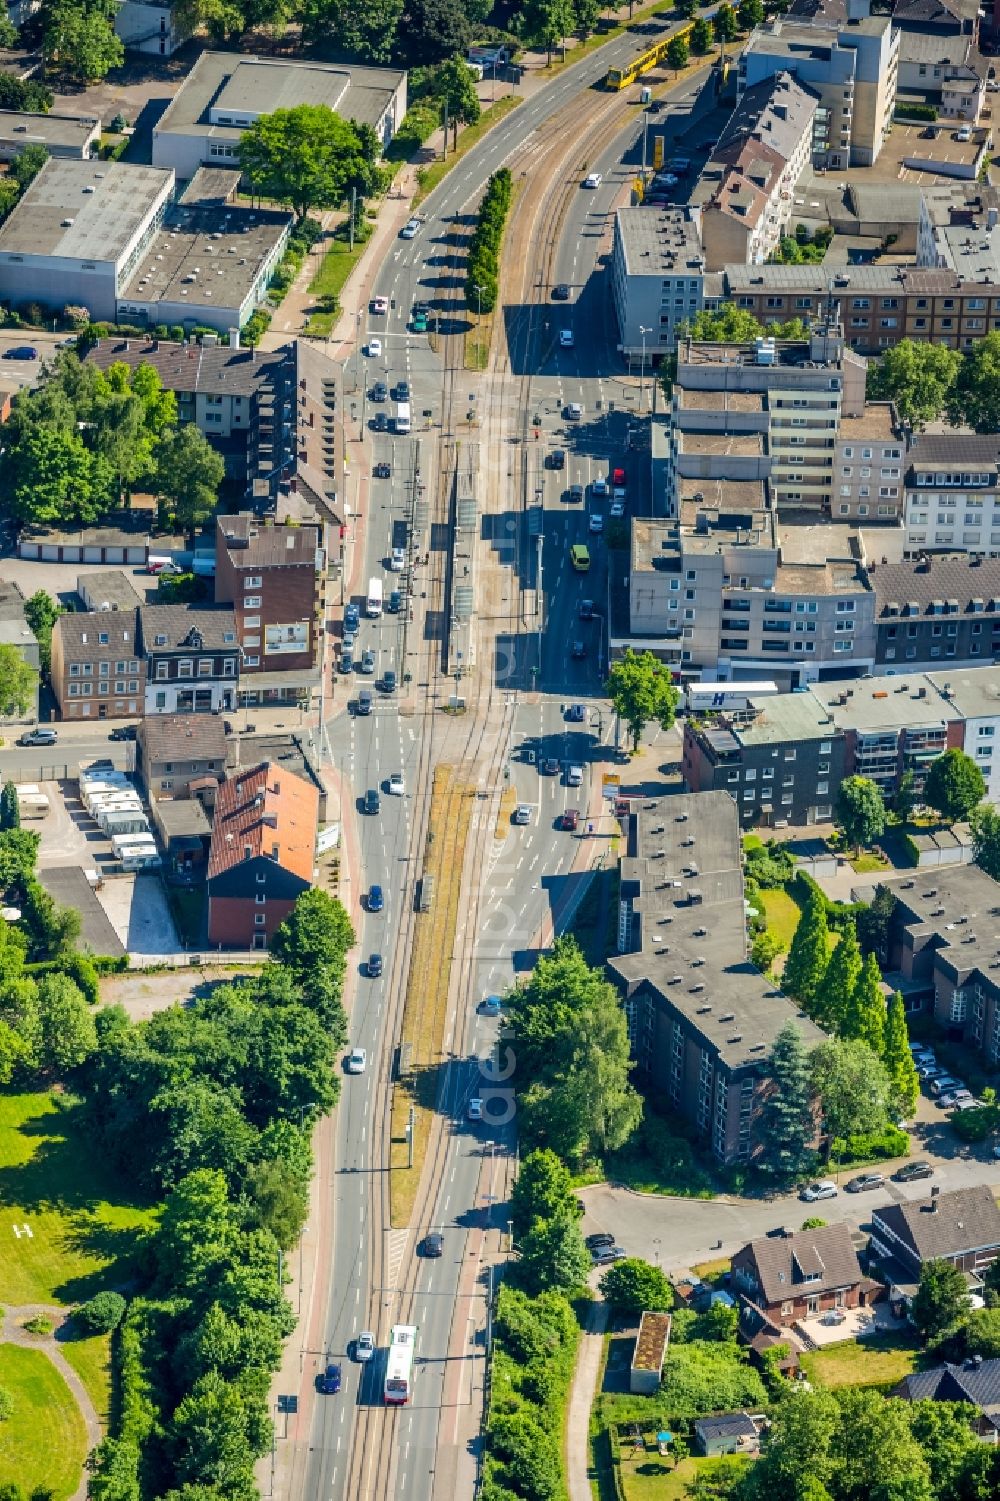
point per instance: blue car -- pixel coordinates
(352, 618)
(329, 1382)
(576, 713)
(374, 966)
(21, 352)
(376, 901)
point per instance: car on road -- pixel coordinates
(364, 707)
(475, 1110)
(393, 603)
(522, 814)
(357, 1060)
(599, 488)
(21, 352)
(397, 561)
(592, 180)
(380, 305)
(575, 494)
(821, 1190)
(382, 470)
(329, 1381)
(556, 459)
(490, 1005)
(603, 1254)
(617, 509)
(579, 650)
(379, 423)
(402, 391)
(388, 683)
(560, 292)
(598, 1239)
(374, 349)
(376, 899)
(410, 229)
(434, 1243)
(418, 323)
(586, 610)
(618, 480)
(565, 338)
(379, 391)
(569, 819)
(596, 523)
(374, 966)
(367, 663)
(911, 1171)
(364, 1345)
(573, 411)
(576, 713)
(347, 659)
(123, 732)
(38, 737)
(863, 1182)
(550, 766)
(372, 801)
(396, 787)
(352, 617)
(574, 776)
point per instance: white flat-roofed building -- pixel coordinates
(78, 233)
(148, 26)
(657, 277)
(72, 136)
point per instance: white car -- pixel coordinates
(374, 349)
(573, 411)
(958, 1100)
(596, 522)
(522, 813)
(380, 305)
(599, 487)
(617, 509)
(475, 1111)
(357, 1058)
(364, 1349)
(592, 180)
(396, 784)
(565, 338)
(397, 561)
(965, 134)
(822, 1190)
(410, 229)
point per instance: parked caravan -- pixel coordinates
(33, 805)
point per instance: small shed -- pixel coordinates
(650, 1350)
(726, 1433)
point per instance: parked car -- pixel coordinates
(603, 1254)
(556, 459)
(352, 617)
(329, 1382)
(911, 1171)
(598, 1239)
(565, 338)
(123, 732)
(21, 352)
(397, 559)
(864, 1182)
(393, 603)
(570, 819)
(379, 391)
(930, 1070)
(367, 663)
(550, 766)
(943, 1084)
(822, 1190)
(955, 1099)
(382, 470)
(38, 737)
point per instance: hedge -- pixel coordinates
(870, 1146)
(839, 915)
(482, 285)
(904, 112)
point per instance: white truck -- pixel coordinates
(373, 604)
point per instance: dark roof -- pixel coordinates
(68, 885)
(946, 578)
(214, 623)
(265, 812)
(214, 369)
(975, 1381)
(252, 543)
(11, 600)
(183, 737)
(964, 449)
(784, 1262)
(81, 630)
(728, 1425)
(964, 1220)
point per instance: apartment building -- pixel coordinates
(850, 65)
(742, 202)
(971, 208)
(274, 578)
(890, 726)
(869, 463)
(192, 657)
(781, 760)
(952, 494)
(702, 1020)
(930, 611)
(151, 26)
(974, 695)
(97, 666)
(657, 278)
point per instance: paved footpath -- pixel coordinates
(12, 1333)
(581, 1400)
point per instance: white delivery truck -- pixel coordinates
(402, 422)
(373, 605)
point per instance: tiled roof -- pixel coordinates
(80, 632)
(267, 812)
(212, 369)
(214, 623)
(973, 1381)
(183, 737)
(784, 1262)
(726, 1425)
(965, 1219)
(962, 449)
(947, 578)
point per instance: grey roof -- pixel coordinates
(775, 112)
(727, 1425)
(965, 1219)
(869, 705)
(20, 128)
(213, 623)
(959, 578)
(211, 185)
(68, 885)
(81, 631)
(848, 281)
(183, 737)
(655, 240)
(933, 47)
(252, 543)
(182, 818)
(784, 1262)
(207, 253)
(963, 450)
(885, 201)
(88, 211)
(958, 911)
(975, 1381)
(975, 691)
(786, 717)
(111, 586)
(11, 600)
(204, 369)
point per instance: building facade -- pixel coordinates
(930, 611)
(801, 1274)
(869, 464)
(97, 665)
(657, 278)
(192, 657)
(952, 494)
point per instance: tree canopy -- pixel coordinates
(918, 376)
(18, 683)
(786, 1126)
(861, 811)
(809, 951)
(954, 785)
(634, 1285)
(641, 690)
(308, 157)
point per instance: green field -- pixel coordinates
(649, 1478)
(91, 1360)
(83, 1225)
(44, 1442)
(880, 1359)
(782, 913)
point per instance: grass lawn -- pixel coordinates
(429, 176)
(651, 1478)
(44, 1442)
(710, 1271)
(91, 1360)
(782, 913)
(882, 1359)
(82, 1220)
(869, 861)
(328, 283)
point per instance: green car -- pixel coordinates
(420, 323)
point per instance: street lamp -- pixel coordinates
(642, 368)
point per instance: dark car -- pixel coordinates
(556, 459)
(393, 603)
(586, 609)
(911, 1171)
(601, 1255)
(550, 766)
(379, 423)
(570, 819)
(374, 966)
(329, 1381)
(379, 391)
(382, 471)
(389, 681)
(434, 1244)
(352, 618)
(21, 352)
(863, 1182)
(576, 713)
(579, 650)
(402, 391)
(372, 801)
(560, 292)
(599, 1238)
(123, 732)
(376, 900)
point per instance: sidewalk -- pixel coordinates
(581, 1400)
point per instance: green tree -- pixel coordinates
(689, 8)
(954, 786)
(18, 683)
(941, 1300)
(543, 1190)
(702, 40)
(898, 1059)
(905, 797)
(633, 1285)
(27, 164)
(873, 1450)
(765, 949)
(975, 397)
(865, 1019)
(588, 13)
(307, 157)
(455, 84)
(188, 475)
(197, 1231)
(677, 53)
(278, 1198)
(79, 42)
(729, 324)
(725, 23)
(435, 29)
(836, 995)
(985, 822)
(860, 811)
(809, 950)
(641, 689)
(51, 477)
(365, 29)
(553, 1255)
(209, 1438)
(103, 1313)
(312, 945)
(544, 23)
(852, 1086)
(918, 376)
(750, 14)
(962, 1467)
(707, 1376)
(68, 1032)
(786, 1126)
(41, 612)
(10, 808)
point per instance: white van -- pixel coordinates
(373, 604)
(402, 422)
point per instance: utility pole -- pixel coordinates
(354, 210)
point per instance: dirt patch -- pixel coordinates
(142, 995)
(508, 802)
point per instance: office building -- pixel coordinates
(702, 1019)
(73, 136)
(657, 278)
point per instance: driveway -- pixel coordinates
(138, 911)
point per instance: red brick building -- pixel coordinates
(262, 854)
(801, 1274)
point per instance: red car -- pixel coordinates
(570, 818)
(618, 479)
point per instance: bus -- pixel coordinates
(402, 422)
(399, 1365)
(373, 605)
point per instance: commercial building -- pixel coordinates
(868, 464)
(743, 199)
(657, 268)
(225, 92)
(97, 668)
(262, 854)
(73, 136)
(781, 761)
(274, 577)
(702, 1020)
(851, 66)
(931, 610)
(192, 658)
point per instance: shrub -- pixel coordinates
(975, 1125)
(38, 1324)
(870, 1146)
(103, 1313)
(915, 111)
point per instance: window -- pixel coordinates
(204, 667)
(259, 919)
(162, 669)
(185, 667)
(253, 581)
(251, 602)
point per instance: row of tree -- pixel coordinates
(927, 380)
(482, 266)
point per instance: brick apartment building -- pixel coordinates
(98, 669)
